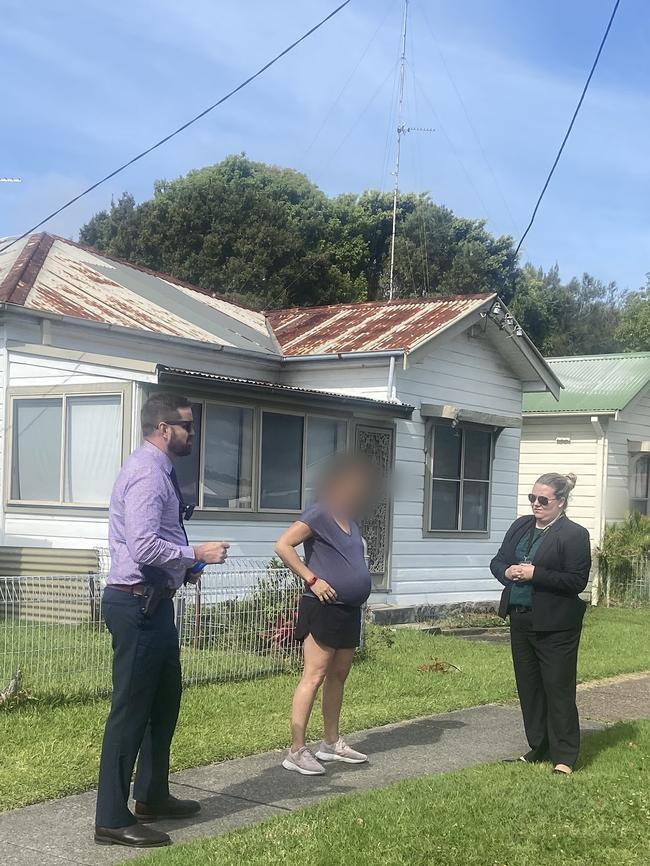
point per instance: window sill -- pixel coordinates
(455, 533)
(216, 516)
(46, 509)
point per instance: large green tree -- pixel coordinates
(574, 318)
(268, 237)
(633, 331)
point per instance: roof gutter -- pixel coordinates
(345, 356)
(608, 413)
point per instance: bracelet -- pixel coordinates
(310, 581)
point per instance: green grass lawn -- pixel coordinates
(495, 815)
(50, 750)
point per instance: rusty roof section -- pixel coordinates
(18, 281)
(376, 326)
(54, 275)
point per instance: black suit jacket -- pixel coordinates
(562, 564)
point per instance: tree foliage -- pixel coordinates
(268, 237)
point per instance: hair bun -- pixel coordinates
(571, 479)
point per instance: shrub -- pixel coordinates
(623, 560)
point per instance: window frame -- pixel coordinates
(122, 390)
(430, 428)
(256, 512)
(634, 462)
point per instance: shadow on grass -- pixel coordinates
(595, 744)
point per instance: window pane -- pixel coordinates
(639, 505)
(475, 505)
(446, 452)
(281, 476)
(478, 452)
(444, 504)
(93, 448)
(36, 463)
(187, 468)
(640, 480)
(227, 477)
(325, 438)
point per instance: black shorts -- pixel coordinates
(337, 626)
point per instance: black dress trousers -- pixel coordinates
(144, 710)
(545, 664)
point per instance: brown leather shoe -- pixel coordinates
(169, 808)
(134, 836)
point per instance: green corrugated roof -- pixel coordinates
(593, 383)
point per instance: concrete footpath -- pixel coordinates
(242, 792)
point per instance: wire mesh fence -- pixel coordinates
(237, 624)
(625, 580)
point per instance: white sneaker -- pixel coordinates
(340, 751)
(303, 762)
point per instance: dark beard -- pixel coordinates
(179, 449)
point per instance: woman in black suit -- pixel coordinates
(544, 563)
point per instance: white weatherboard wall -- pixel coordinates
(59, 527)
(632, 425)
(3, 410)
(556, 444)
(466, 372)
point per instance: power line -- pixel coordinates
(570, 127)
(181, 128)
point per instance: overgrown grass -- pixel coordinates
(51, 750)
(496, 815)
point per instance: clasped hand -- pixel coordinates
(521, 572)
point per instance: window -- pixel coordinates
(326, 437)
(281, 464)
(228, 477)
(253, 459)
(460, 467)
(640, 476)
(66, 449)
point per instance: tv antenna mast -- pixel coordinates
(402, 129)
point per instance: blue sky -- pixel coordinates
(85, 85)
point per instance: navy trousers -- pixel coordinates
(144, 710)
(545, 665)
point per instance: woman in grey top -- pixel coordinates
(329, 618)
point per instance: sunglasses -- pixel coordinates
(188, 426)
(543, 500)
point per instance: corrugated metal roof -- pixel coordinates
(593, 383)
(377, 326)
(58, 276)
(394, 408)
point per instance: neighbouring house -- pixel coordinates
(599, 429)
(430, 389)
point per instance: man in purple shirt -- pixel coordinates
(150, 558)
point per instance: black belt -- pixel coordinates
(138, 589)
(519, 608)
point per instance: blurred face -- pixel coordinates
(544, 503)
(178, 433)
(349, 492)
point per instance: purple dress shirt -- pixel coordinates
(143, 525)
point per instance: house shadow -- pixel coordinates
(274, 786)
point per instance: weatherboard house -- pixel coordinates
(431, 390)
(599, 429)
